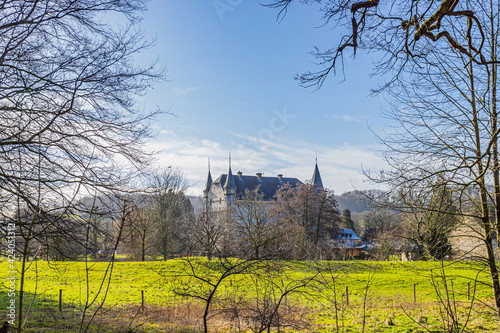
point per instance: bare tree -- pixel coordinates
(67, 87)
(253, 225)
(208, 233)
(255, 293)
(140, 229)
(96, 299)
(315, 211)
(66, 95)
(272, 306)
(207, 277)
(382, 230)
(447, 140)
(442, 57)
(404, 32)
(172, 210)
(379, 221)
(160, 216)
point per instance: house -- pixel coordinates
(467, 240)
(410, 252)
(228, 188)
(348, 244)
(348, 238)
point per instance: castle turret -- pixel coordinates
(207, 188)
(230, 186)
(208, 185)
(316, 178)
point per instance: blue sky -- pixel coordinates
(230, 84)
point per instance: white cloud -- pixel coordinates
(186, 90)
(340, 167)
(191, 89)
(345, 117)
(165, 132)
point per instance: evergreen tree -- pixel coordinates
(347, 221)
(441, 218)
(431, 224)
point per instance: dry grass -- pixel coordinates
(186, 318)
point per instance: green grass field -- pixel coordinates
(380, 297)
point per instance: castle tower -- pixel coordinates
(316, 178)
(206, 190)
(229, 186)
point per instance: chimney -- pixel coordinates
(259, 176)
(280, 177)
(240, 175)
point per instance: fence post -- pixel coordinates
(142, 300)
(60, 300)
(468, 291)
(346, 295)
(414, 293)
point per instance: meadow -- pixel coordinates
(347, 296)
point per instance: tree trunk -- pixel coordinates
(494, 122)
(143, 250)
(487, 227)
(164, 248)
(25, 256)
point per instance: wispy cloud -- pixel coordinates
(341, 167)
(191, 89)
(186, 90)
(345, 117)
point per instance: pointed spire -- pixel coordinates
(208, 185)
(316, 178)
(230, 179)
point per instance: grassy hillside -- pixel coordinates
(380, 296)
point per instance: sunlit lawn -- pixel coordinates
(380, 294)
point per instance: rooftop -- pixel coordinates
(268, 186)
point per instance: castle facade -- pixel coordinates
(220, 194)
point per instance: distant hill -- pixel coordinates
(357, 201)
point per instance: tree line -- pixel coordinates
(294, 224)
(300, 222)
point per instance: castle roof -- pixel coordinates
(268, 186)
(208, 185)
(316, 178)
(229, 183)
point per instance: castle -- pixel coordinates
(220, 194)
